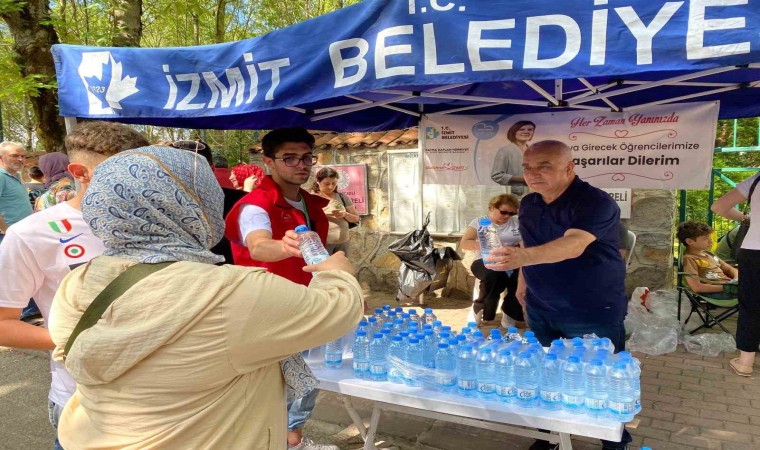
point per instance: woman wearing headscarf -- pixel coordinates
(193, 355)
(507, 165)
(59, 183)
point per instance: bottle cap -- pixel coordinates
(619, 365)
(378, 335)
(378, 310)
(429, 310)
(467, 348)
(512, 330)
(466, 330)
(372, 320)
(363, 323)
(453, 342)
(550, 357)
(399, 321)
(446, 328)
(478, 334)
(443, 345)
(396, 338)
(437, 323)
(361, 333)
(532, 340)
(505, 352)
(301, 229)
(399, 309)
(461, 338)
(573, 359)
(427, 326)
(472, 324)
(386, 307)
(596, 362)
(558, 343)
(484, 222)
(428, 332)
(385, 331)
(495, 332)
(412, 311)
(414, 341)
(529, 333)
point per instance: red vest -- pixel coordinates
(283, 217)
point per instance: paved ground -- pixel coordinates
(689, 402)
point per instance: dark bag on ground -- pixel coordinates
(736, 245)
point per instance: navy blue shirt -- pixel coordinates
(591, 287)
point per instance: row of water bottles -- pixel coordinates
(580, 376)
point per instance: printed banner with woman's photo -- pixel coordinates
(663, 147)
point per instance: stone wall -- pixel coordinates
(653, 216)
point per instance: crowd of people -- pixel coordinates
(216, 304)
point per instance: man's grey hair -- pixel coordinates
(549, 145)
(7, 145)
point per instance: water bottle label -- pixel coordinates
(551, 396)
(595, 404)
(446, 380)
(485, 388)
(506, 391)
(334, 358)
(378, 369)
(527, 394)
(467, 385)
(361, 366)
(573, 400)
(621, 407)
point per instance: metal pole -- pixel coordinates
(2, 134)
(711, 196)
(682, 207)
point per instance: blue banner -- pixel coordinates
(414, 44)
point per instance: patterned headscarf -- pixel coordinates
(54, 167)
(155, 204)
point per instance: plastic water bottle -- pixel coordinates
(495, 335)
(413, 315)
(405, 318)
(396, 349)
(398, 326)
(311, 246)
(621, 401)
(379, 315)
(596, 388)
(363, 325)
(437, 324)
(430, 348)
(361, 355)
(472, 325)
(466, 331)
(445, 368)
(557, 348)
(444, 337)
(334, 354)
(635, 372)
(373, 325)
(413, 357)
(454, 346)
(378, 358)
(526, 381)
(573, 386)
(386, 332)
(429, 317)
(466, 373)
(512, 335)
(505, 377)
(485, 370)
(477, 339)
(550, 383)
(488, 236)
(528, 334)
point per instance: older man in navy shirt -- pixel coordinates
(573, 277)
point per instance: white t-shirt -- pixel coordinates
(752, 239)
(35, 255)
(509, 232)
(254, 218)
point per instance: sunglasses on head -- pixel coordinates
(188, 145)
(507, 213)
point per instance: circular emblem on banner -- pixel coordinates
(74, 251)
(485, 130)
(343, 179)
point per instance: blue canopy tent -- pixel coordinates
(380, 64)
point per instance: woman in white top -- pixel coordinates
(748, 325)
(340, 211)
(502, 210)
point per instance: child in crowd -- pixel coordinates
(710, 273)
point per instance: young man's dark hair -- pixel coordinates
(272, 140)
(35, 173)
(692, 230)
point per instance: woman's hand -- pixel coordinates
(250, 183)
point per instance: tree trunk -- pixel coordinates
(221, 6)
(127, 19)
(33, 35)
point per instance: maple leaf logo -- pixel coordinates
(109, 86)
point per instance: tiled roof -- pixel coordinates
(328, 140)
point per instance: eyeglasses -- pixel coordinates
(308, 160)
(507, 213)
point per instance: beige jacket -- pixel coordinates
(188, 357)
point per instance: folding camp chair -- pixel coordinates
(704, 306)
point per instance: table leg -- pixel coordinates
(369, 442)
(564, 442)
(358, 422)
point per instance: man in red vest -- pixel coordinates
(260, 228)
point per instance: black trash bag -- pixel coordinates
(424, 268)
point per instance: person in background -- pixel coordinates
(572, 281)
(231, 195)
(502, 211)
(14, 198)
(222, 171)
(261, 229)
(507, 165)
(748, 324)
(193, 355)
(58, 181)
(246, 177)
(340, 211)
(43, 248)
(37, 186)
(709, 272)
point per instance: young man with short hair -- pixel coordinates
(260, 228)
(39, 251)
